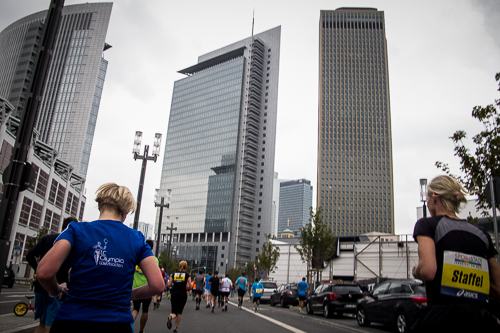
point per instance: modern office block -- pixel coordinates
(355, 177)
(72, 92)
(219, 153)
(295, 200)
(145, 228)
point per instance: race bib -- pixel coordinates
(179, 277)
(465, 276)
(138, 269)
(258, 291)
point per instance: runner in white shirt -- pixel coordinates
(225, 289)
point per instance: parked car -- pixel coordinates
(269, 288)
(393, 302)
(287, 294)
(334, 299)
(9, 277)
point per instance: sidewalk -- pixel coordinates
(10, 323)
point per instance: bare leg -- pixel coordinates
(134, 314)
(144, 319)
(178, 320)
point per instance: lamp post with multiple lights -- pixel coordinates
(423, 194)
(145, 158)
(160, 202)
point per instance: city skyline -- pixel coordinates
(436, 77)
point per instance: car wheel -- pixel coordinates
(361, 317)
(282, 302)
(309, 309)
(401, 322)
(326, 311)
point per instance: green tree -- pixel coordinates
(269, 255)
(249, 269)
(477, 167)
(317, 242)
(234, 273)
(32, 241)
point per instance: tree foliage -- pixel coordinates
(173, 263)
(269, 255)
(32, 241)
(478, 166)
(317, 242)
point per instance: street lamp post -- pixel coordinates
(159, 202)
(171, 228)
(423, 194)
(145, 158)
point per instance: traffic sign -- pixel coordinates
(255, 268)
(262, 273)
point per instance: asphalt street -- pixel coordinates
(267, 319)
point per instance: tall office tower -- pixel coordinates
(68, 111)
(219, 153)
(295, 200)
(355, 187)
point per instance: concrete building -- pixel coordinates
(219, 153)
(75, 79)
(295, 200)
(355, 177)
(56, 192)
(145, 228)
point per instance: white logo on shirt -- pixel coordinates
(100, 257)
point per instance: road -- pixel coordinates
(267, 319)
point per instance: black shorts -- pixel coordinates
(215, 293)
(224, 293)
(145, 305)
(256, 299)
(178, 300)
(241, 292)
(198, 292)
(302, 298)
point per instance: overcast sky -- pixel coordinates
(443, 56)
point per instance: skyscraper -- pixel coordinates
(295, 200)
(72, 92)
(355, 187)
(219, 153)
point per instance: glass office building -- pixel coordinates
(68, 110)
(294, 203)
(219, 154)
(355, 178)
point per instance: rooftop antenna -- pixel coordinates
(253, 20)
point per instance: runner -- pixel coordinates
(242, 282)
(226, 287)
(139, 281)
(180, 281)
(302, 288)
(208, 293)
(198, 291)
(257, 288)
(156, 298)
(214, 282)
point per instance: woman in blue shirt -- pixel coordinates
(103, 255)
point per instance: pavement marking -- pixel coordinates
(11, 301)
(279, 323)
(17, 329)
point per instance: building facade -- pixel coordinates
(55, 194)
(145, 228)
(75, 79)
(295, 200)
(355, 177)
(219, 153)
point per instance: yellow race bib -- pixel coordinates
(179, 277)
(465, 276)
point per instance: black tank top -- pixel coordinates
(179, 281)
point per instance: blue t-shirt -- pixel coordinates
(302, 285)
(242, 283)
(207, 285)
(104, 254)
(258, 289)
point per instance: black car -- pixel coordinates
(285, 295)
(334, 299)
(393, 302)
(9, 277)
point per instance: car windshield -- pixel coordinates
(269, 285)
(347, 289)
(292, 286)
(420, 289)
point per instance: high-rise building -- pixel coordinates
(68, 110)
(219, 153)
(295, 200)
(355, 186)
(145, 228)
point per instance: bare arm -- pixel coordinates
(494, 278)
(50, 264)
(427, 265)
(153, 276)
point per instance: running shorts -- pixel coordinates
(198, 292)
(302, 298)
(256, 299)
(207, 292)
(145, 304)
(215, 293)
(224, 293)
(178, 301)
(46, 307)
(241, 292)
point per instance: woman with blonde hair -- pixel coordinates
(103, 255)
(180, 283)
(457, 262)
